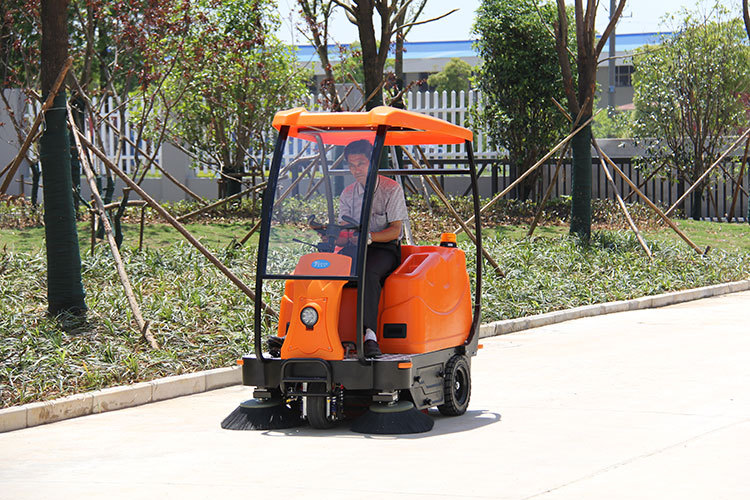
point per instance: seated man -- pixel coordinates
(387, 213)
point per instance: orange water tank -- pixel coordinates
(426, 302)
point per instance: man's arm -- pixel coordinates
(390, 233)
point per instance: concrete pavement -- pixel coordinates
(643, 404)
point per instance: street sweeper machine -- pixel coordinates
(323, 363)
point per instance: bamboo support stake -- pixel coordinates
(92, 212)
(531, 169)
(439, 192)
(289, 190)
(249, 234)
(547, 193)
(12, 162)
(282, 197)
(11, 169)
(739, 184)
(313, 187)
(143, 326)
(151, 159)
(620, 201)
(553, 181)
(645, 181)
(222, 201)
(140, 233)
(179, 227)
(708, 171)
(652, 205)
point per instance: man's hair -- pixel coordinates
(360, 147)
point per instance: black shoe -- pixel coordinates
(274, 346)
(372, 349)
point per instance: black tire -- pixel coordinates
(456, 386)
(316, 408)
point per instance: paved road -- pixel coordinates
(643, 404)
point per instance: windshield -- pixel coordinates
(307, 215)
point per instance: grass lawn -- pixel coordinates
(718, 235)
(159, 235)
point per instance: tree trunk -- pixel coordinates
(515, 173)
(696, 203)
(527, 188)
(328, 85)
(580, 206)
(581, 102)
(696, 200)
(78, 106)
(64, 287)
(398, 66)
(320, 42)
(372, 71)
(232, 182)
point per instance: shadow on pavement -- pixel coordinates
(471, 420)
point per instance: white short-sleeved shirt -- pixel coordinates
(388, 204)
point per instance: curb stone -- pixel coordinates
(652, 301)
(115, 398)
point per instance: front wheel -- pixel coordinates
(456, 386)
(318, 413)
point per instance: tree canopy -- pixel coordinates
(613, 124)
(688, 94)
(519, 78)
(455, 76)
(225, 76)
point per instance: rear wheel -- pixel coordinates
(456, 386)
(318, 407)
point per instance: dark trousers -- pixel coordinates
(382, 260)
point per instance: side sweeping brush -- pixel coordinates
(262, 415)
(395, 418)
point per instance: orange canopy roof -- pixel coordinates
(407, 127)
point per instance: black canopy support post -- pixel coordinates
(364, 226)
(476, 321)
(479, 175)
(326, 178)
(265, 229)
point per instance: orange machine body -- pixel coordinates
(322, 340)
(425, 306)
(426, 301)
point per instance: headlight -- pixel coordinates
(308, 316)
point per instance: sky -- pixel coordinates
(639, 16)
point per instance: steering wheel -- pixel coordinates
(329, 232)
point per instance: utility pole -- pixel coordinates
(612, 61)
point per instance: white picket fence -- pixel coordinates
(454, 107)
(110, 137)
(450, 106)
